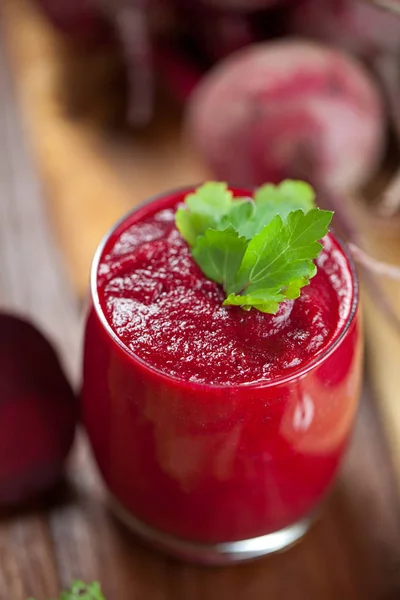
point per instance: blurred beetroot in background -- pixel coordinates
(96, 23)
(82, 20)
(38, 413)
(218, 30)
(354, 25)
(238, 5)
(289, 109)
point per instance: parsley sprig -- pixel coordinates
(261, 249)
(83, 591)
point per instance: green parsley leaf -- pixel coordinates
(279, 259)
(212, 198)
(271, 200)
(287, 196)
(240, 214)
(83, 591)
(192, 225)
(203, 209)
(219, 255)
(265, 301)
(261, 251)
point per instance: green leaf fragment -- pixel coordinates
(83, 591)
(219, 255)
(265, 301)
(271, 200)
(280, 257)
(292, 291)
(192, 225)
(203, 209)
(287, 196)
(240, 214)
(212, 198)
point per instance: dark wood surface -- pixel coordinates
(352, 552)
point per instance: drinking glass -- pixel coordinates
(212, 473)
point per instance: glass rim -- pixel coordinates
(284, 379)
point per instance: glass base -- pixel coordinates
(212, 554)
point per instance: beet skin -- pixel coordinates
(38, 413)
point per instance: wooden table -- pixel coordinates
(88, 180)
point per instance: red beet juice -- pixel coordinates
(213, 424)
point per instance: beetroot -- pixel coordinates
(81, 20)
(217, 34)
(95, 23)
(220, 27)
(241, 5)
(355, 25)
(289, 108)
(38, 413)
(363, 28)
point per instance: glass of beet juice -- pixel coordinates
(217, 431)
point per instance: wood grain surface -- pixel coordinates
(88, 180)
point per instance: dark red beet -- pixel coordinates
(220, 27)
(288, 108)
(38, 413)
(81, 20)
(93, 23)
(241, 5)
(357, 26)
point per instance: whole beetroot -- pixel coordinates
(355, 25)
(220, 27)
(240, 5)
(38, 413)
(121, 23)
(81, 20)
(290, 108)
